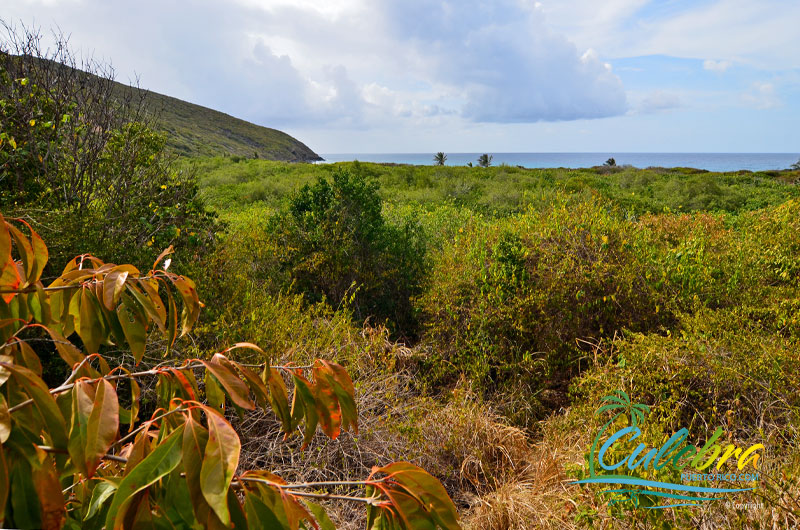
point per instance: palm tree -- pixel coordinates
(795, 166)
(485, 160)
(440, 158)
(611, 162)
(620, 402)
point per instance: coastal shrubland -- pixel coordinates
(485, 315)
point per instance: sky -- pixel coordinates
(399, 76)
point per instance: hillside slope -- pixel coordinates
(199, 131)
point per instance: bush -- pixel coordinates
(333, 244)
(508, 300)
(79, 159)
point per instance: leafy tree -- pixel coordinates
(440, 158)
(795, 166)
(334, 243)
(78, 156)
(78, 455)
(610, 162)
(485, 160)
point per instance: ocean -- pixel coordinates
(723, 162)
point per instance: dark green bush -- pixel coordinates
(333, 244)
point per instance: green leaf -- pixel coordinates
(25, 507)
(100, 494)
(5, 483)
(43, 403)
(90, 326)
(426, 489)
(259, 514)
(159, 463)
(195, 438)
(322, 518)
(303, 402)
(133, 326)
(236, 388)
(279, 399)
(214, 394)
(220, 459)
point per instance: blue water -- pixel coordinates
(710, 161)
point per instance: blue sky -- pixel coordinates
(468, 75)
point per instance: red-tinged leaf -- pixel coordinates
(43, 403)
(40, 255)
(345, 391)
(74, 277)
(256, 385)
(113, 285)
(9, 279)
(83, 396)
(330, 415)
(5, 427)
(195, 439)
(191, 302)
(25, 251)
(410, 511)
(66, 350)
(184, 383)
(141, 447)
(159, 463)
(5, 241)
(279, 399)
(156, 302)
(220, 459)
(233, 385)
(51, 499)
(90, 323)
(172, 322)
(134, 328)
(103, 425)
(166, 252)
(248, 345)
(303, 402)
(427, 489)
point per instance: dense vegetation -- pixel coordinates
(483, 313)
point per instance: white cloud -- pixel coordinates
(716, 66)
(657, 101)
(762, 96)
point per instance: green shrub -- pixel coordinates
(333, 244)
(509, 299)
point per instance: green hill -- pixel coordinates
(199, 131)
(192, 130)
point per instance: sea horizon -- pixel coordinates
(718, 162)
